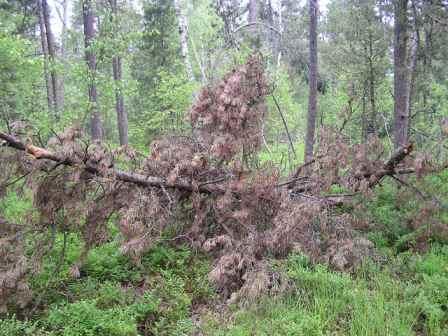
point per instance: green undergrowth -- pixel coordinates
(405, 292)
(113, 296)
(393, 208)
(408, 297)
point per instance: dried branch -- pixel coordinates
(145, 181)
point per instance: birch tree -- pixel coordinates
(183, 33)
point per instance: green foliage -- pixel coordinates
(394, 213)
(15, 206)
(13, 327)
(372, 302)
(165, 108)
(84, 318)
(20, 74)
(115, 297)
(106, 263)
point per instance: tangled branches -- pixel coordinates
(199, 189)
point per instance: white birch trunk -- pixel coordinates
(183, 32)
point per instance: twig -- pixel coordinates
(285, 125)
(257, 24)
(424, 196)
(15, 181)
(221, 179)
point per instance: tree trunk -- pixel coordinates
(52, 58)
(312, 100)
(364, 121)
(228, 11)
(183, 33)
(277, 8)
(63, 17)
(413, 55)
(372, 120)
(401, 74)
(122, 116)
(89, 35)
(43, 39)
(253, 11)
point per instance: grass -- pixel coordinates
(373, 301)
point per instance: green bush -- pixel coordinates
(107, 263)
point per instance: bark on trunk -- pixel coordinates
(228, 10)
(312, 100)
(63, 17)
(253, 11)
(52, 58)
(122, 116)
(254, 28)
(372, 121)
(401, 74)
(43, 39)
(183, 33)
(89, 35)
(365, 124)
(277, 8)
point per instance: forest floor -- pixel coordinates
(404, 292)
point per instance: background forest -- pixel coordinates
(222, 167)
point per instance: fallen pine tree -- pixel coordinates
(202, 190)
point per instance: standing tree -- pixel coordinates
(183, 32)
(51, 54)
(312, 99)
(253, 11)
(44, 46)
(229, 11)
(401, 73)
(89, 36)
(122, 116)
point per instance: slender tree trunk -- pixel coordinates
(365, 125)
(372, 121)
(52, 58)
(43, 39)
(412, 72)
(401, 74)
(183, 33)
(228, 10)
(122, 116)
(277, 5)
(253, 11)
(413, 55)
(89, 36)
(63, 17)
(312, 100)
